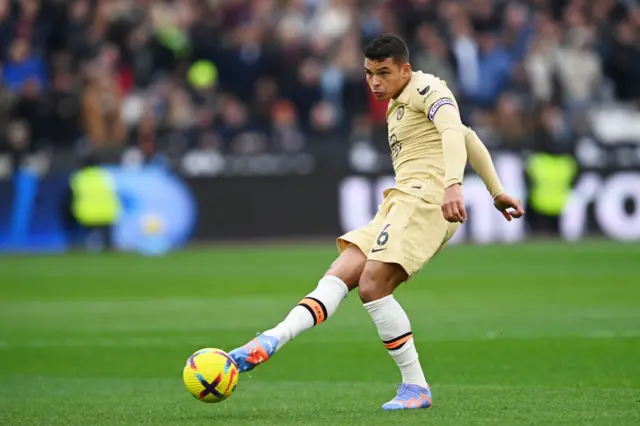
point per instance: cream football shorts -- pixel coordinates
(406, 230)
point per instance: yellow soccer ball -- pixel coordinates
(210, 375)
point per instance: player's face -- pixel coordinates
(386, 78)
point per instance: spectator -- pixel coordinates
(29, 109)
(342, 75)
(23, 66)
(494, 67)
(540, 68)
(579, 69)
(5, 29)
(306, 91)
(60, 109)
(78, 27)
(622, 62)
(18, 136)
(244, 61)
(433, 55)
(517, 30)
(484, 16)
(240, 135)
(465, 51)
(324, 121)
(270, 74)
(102, 108)
(285, 132)
(266, 93)
(333, 18)
(419, 13)
(510, 122)
(33, 22)
(181, 111)
(551, 131)
(147, 136)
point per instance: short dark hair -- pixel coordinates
(387, 46)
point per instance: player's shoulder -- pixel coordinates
(421, 77)
(429, 89)
(423, 80)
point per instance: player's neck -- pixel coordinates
(404, 86)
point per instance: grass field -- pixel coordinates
(539, 334)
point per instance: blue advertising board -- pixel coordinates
(158, 211)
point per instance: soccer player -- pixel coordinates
(429, 147)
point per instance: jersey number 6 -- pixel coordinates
(383, 237)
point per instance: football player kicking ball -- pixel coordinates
(429, 146)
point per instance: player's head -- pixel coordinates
(386, 62)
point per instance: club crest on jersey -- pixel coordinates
(400, 112)
(395, 146)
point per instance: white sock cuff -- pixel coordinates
(335, 283)
(372, 306)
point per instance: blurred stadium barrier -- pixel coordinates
(299, 196)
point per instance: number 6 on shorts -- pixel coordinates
(383, 237)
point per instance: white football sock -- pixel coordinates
(394, 329)
(314, 309)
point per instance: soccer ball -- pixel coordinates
(210, 375)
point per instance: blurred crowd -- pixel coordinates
(249, 76)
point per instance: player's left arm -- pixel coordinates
(446, 118)
(480, 160)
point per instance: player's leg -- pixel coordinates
(413, 233)
(377, 284)
(315, 308)
(320, 304)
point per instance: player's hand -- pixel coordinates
(453, 204)
(503, 202)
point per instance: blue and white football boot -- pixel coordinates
(255, 352)
(410, 397)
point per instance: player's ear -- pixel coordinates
(405, 70)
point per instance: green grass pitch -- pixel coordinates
(535, 334)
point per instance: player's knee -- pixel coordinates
(379, 280)
(372, 286)
(348, 266)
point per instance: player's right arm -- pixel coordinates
(439, 105)
(482, 164)
(452, 131)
